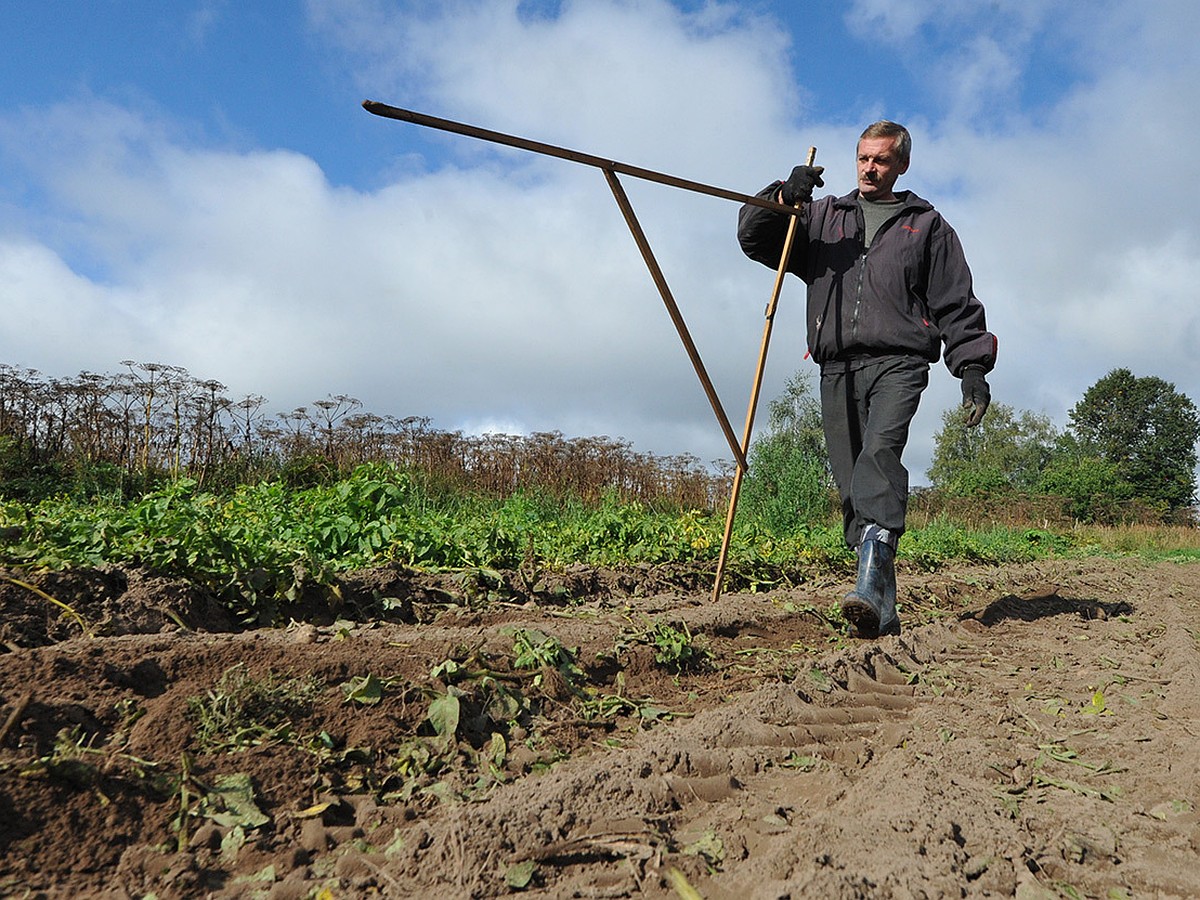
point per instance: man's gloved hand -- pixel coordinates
(976, 394)
(799, 187)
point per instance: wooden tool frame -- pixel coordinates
(611, 169)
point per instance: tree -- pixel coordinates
(1147, 429)
(789, 480)
(1006, 452)
(1093, 488)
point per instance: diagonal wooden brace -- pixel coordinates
(639, 237)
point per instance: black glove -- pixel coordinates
(976, 394)
(799, 187)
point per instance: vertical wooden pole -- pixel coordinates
(755, 390)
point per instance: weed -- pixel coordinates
(646, 711)
(1010, 800)
(241, 711)
(75, 760)
(533, 649)
(72, 760)
(780, 662)
(675, 648)
(802, 762)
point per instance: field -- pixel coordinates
(605, 732)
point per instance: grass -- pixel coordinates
(1150, 541)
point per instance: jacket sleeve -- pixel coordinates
(957, 313)
(761, 233)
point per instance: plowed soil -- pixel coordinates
(1033, 732)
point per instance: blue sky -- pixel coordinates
(195, 183)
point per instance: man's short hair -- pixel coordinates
(884, 128)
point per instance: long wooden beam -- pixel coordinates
(587, 159)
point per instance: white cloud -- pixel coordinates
(641, 82)
(465, 294)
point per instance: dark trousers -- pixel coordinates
(866, 410)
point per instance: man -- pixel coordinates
(888, 287)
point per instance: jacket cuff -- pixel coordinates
(979, 351)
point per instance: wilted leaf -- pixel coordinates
(313, 811)
(520, 875)
(237, 794)
(366, 690)
(497, 750)
(444, 712)
(708, 846)
(233, 842)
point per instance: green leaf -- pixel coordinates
(447, 670)
(652, 713)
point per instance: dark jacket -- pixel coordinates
(910, 293)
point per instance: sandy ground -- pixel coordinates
(1032, 733)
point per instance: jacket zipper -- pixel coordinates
(862, 267)
(858, 293)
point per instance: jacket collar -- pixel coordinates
(910, 201)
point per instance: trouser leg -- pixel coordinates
(841, 421)
(866, 415)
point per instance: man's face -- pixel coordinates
(878, 167)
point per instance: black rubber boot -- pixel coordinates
(871, 607)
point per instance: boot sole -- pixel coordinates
(862, 616)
